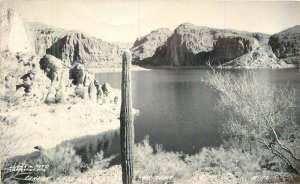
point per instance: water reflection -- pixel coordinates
(87, 147)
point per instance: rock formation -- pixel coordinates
(43, 36)
(77, 74)
(52, 67)
(13, 34)
(228, 48)
(80, 48)
(145, 46)
(286, 45)
(192, 45)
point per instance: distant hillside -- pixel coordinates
(191, 45)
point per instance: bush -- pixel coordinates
(221, 160)
(156, 162)
(10, 96)
(261, 115)
(62, 161)
(217, 161)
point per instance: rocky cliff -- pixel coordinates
(228, 48)
(144, 47)
(43, 36)
(81, 48)
(192, 45)
(286, 45)
(13, 34)
(72, 47)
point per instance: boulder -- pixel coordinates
(100, 94)
(50, 98)
(82, 92)
(88, 78)
(77, 74)
(52, 67)
(92, 91)
(106, 89)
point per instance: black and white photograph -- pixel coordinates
(149, 92)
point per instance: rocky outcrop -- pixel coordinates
(52, 67)
(43, 36)
(286, 45)
(13, 34)
(228, 48)
(145, 46)
(192, 45)
(77, 74)
(81, 48)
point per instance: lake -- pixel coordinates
(178, 110)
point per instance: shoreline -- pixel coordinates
(288, 66)
(134, 68)
(137, 68)
(45, 125)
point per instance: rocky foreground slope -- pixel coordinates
(41, 98)
(192, 45)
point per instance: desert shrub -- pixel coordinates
(9, 142)
(260, 114)
(101, 162)
(221, 160)
(156, 162)
(10, 96)
(62, 161)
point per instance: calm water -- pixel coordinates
(178, 110)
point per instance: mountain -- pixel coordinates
(145, 46)
(72, 47)
(286, 45)
(192, 45)
(77, 47)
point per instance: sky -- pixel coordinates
(125, 20)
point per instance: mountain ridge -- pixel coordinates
(192, 45)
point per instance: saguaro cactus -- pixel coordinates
(126, 122)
